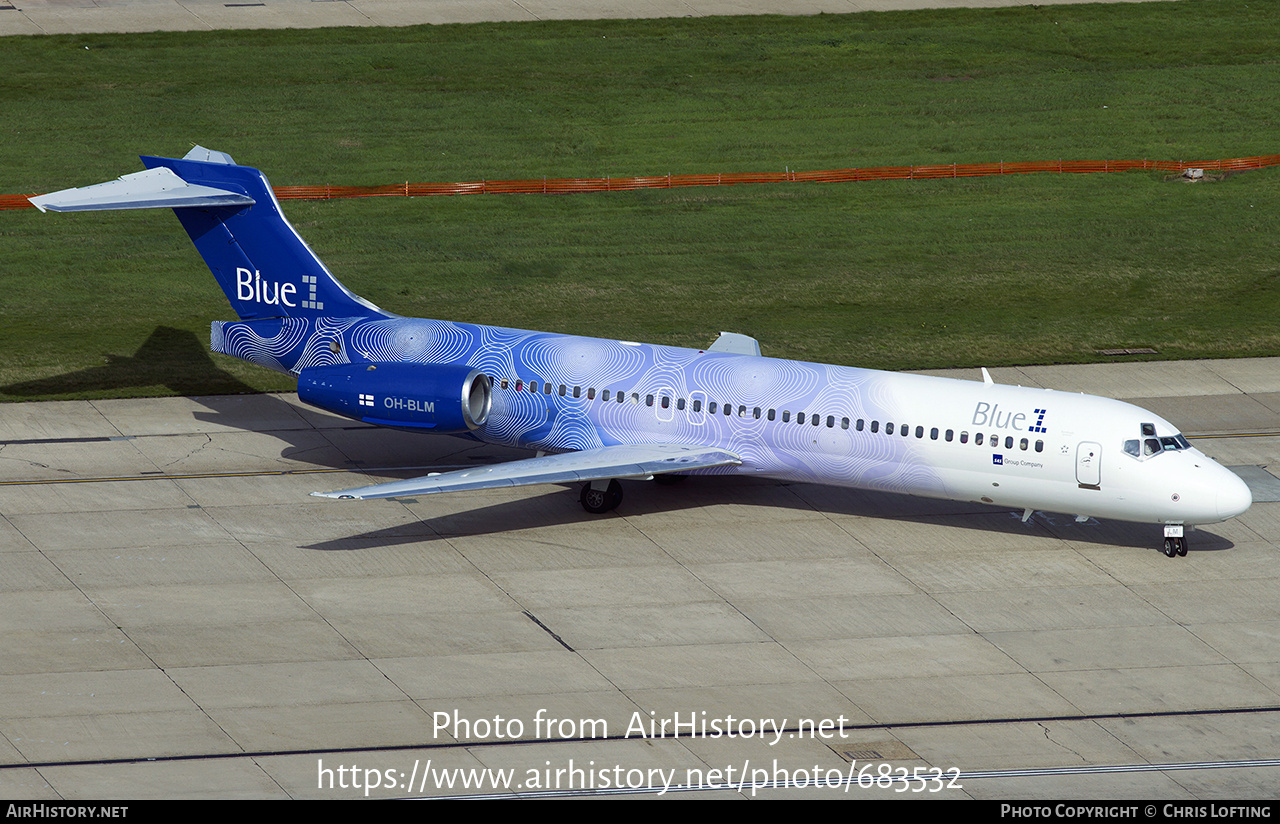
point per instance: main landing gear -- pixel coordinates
(603, 499)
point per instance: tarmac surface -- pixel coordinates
(178, 618)
(89, 16)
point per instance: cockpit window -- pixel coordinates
(1150, 445)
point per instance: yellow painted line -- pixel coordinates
(204, 475)
(162, 477)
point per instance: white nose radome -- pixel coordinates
(1233, 496)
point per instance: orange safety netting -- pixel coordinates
(615, 184)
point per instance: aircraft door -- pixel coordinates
(1089, 464)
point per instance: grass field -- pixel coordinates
(889, 274)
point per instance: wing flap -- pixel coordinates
(623, 461)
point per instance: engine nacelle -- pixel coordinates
(445, 399)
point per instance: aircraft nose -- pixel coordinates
(1233, 496)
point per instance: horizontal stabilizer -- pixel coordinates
(157, 188)
(624, 461)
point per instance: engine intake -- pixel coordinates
(448, 399)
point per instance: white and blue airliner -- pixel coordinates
(598, 410)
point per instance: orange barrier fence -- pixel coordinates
(616, 184)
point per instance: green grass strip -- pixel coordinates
(910, 274)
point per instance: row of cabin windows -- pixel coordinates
(813, 418)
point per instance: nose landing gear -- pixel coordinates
(1175, 546)
(1174, 542)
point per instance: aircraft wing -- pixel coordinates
(735, 344)
(623, 461)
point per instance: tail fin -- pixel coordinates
(264, 267)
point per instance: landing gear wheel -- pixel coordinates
(1170, 547)
(600, 501)
(1181, 546)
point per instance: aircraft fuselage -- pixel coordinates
(1013, 446)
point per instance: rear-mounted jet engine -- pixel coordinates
(444, 399)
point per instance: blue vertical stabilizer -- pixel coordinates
(264, 267)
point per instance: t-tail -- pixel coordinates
(264, 267)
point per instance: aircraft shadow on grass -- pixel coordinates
(171, 358)
(176, 361)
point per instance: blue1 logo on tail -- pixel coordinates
(599, 410)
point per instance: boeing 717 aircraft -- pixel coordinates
(597, 410)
